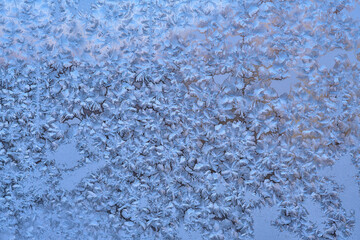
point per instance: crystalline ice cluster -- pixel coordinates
(158, 120)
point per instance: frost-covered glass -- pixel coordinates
(162, 120)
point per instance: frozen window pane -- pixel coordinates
(179, 119)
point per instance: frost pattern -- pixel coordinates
(171, 108)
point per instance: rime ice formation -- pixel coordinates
(175, 128)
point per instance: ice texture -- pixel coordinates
(179, 119)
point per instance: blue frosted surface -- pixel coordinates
(179, 119)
